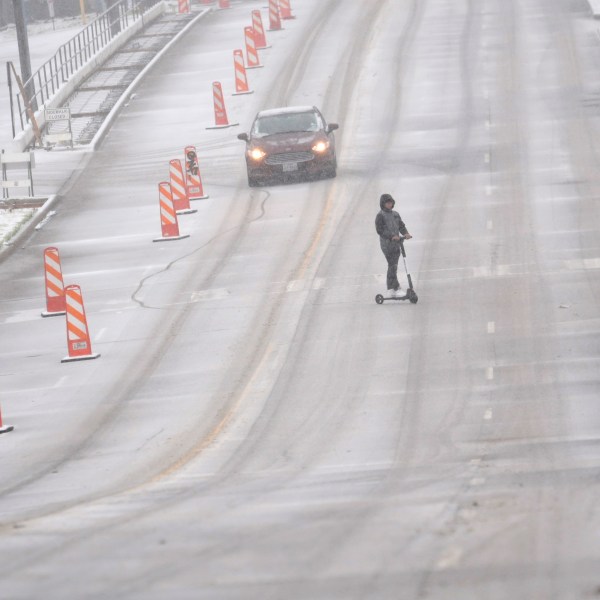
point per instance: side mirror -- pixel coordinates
(243, 136)
(332, 127)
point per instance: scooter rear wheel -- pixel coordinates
(379, 299)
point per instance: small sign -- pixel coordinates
(57, 114)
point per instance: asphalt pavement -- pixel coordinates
(256, 426)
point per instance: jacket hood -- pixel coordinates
(384, 198)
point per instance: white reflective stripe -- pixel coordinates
(55, 280)
(74, 304)
(78, 324)
(52, 261)
(167, 216)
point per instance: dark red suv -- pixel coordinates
(289, 143)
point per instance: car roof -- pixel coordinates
(285, 110)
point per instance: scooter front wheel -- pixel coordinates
(412, 296)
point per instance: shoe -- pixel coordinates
(397, 293)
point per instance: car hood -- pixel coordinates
(289, 142)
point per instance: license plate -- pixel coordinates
(290, 166)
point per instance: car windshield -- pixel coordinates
(284, 123)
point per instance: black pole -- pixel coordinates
(24, 57)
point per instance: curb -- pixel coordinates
(7, 248)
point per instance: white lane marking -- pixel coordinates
(489, 373)
(477, 481)
(585, 263)
(475, 461)
(488, 190)
(100, 334)
(491, 327)
(450, 558)
(296, 285)
(488, 414)
(489, 225)
(213, 294)
(60, 381)
(487, 158)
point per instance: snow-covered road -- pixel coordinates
(256, 426)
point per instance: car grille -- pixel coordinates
(287, 157)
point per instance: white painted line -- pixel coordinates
(100, 334)
(210, 294)
(489, 373)
(477, 481)
(488, 190)
(450, 558)
(488, 414)
(60, 381)
(295, 285)
(491, 327)
(487, 158)
(585, 263)
(490, 225)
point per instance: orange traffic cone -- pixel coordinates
(78, 337)
(4, 428)
(274, 17)
(253, 60)
(286, 11)
(193, 181)
(241, 81)
(221, 120)
(181, 201)
(183, 6)
(168, 217)
(260, 38)
(55, 289)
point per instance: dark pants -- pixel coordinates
(391, 252)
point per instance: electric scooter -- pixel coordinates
(410, 295)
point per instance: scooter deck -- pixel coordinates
(410, 295)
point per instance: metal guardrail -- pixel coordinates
(78, 51)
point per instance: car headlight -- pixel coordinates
(256, 154)
(320, 147)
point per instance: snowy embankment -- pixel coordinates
(12, 220)
(44, 40)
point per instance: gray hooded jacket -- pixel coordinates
(388, 224)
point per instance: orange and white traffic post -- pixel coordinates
(260, 39)
(78, 337)
(183, 6)
(4, 428)
(274, 16)
(181, 202)
(193, 180)
(252, 59)
(224, 4)
(221, 120)
(168, 217)
(55, 288)
(285, 9)
(241, 81)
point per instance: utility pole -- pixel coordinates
(24, 57)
